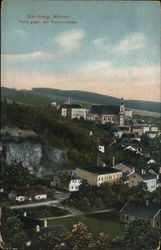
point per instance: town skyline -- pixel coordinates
(113, 49)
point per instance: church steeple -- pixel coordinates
(122, 112)
(122, 104)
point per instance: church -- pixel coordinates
(107, 113)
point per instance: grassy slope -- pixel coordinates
(105, 222)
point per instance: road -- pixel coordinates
(59, 197)
(75, 213)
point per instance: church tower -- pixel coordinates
(122, 112)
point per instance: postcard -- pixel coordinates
(80, 125)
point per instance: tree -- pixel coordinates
(12, 230)
(103, 242)
(138, 235)
(17, 175)
(64, 180)
(80, 238)
(48, 242)
(84, 204)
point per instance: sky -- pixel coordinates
(106, 47)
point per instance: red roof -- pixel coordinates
(27, 190)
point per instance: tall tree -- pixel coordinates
(138, 235)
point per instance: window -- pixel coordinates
(123, 217)
(127, 217)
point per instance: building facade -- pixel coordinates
(96, 175)
(74, 185)
(149, 179)
(148, 212)
(28, 193)
(73, 111)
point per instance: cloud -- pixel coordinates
(70, 41)
(64, 44)
(27, 56)
(130, 43)
(95, 65)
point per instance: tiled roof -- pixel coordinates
(24, 191)
(71, 106)
(104, 109)
(122, 167)
(140, 210)
(147, 176)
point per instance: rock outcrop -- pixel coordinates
(29, 148)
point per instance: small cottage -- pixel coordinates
(133, 211)
(28, 193)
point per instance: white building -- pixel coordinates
(145, 128)
(151, 184)
(28, 193)
(128, 113)
(74, 185)
(53, 103)
(152, 134)
(144, 176)
(154, 128)
(73, 111)
(101, 148)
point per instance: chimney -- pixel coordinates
(113, 161)
(45, 223)
(37, 228)
(25, 214)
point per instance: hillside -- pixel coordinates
(53, 131)
(42, 96)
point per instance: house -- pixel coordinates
(96, 175)
(73, 111)
(151, 161)
(154, 128)
(28, 193)
(133, 211)
(107, 113)
(119, 131)
(53, 104)
(126, 171)
(144, 176)
(74, 181)
(74, 184)
(128, 113)
(135, 129)
(152, 134)
(145, 128)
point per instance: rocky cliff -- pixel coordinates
(29, 148)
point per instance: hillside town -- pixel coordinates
(80, 144)
(66, 190)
